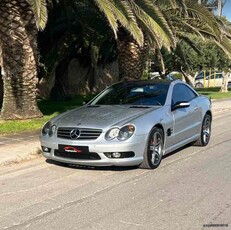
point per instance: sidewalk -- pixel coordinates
(19, 147)
(221, 105)
(25, 146)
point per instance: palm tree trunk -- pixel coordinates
(18, 34)
(131, 58)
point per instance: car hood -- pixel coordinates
(102, 116)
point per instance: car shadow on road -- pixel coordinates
(108, 168)
(176, 151)
(98, 168)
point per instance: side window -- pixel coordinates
(218, 76)
(182, 92)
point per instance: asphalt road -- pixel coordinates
(190, 190)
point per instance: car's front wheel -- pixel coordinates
(205, 131)
(154, 149)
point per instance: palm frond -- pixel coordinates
(181, 54)
(152, 17)
(189, 40)
(202, 14)
(105, 6)
(128, 20)
(171, 3)
(185, 27)
(225, 45)
(39, 9)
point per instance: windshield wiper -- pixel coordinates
(140, 106)
(93, 106)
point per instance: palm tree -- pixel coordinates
(195, 21)
(157, 24)
(137, 25)
(19, 23)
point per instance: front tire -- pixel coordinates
(154, 149)
(205, 131)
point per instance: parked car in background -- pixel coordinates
(129, 123)
(153, 75)
(210, 80)
(170, 76)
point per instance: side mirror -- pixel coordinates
(180, 104)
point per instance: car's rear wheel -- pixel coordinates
(154, 149)
(199, 85)
(205, 132)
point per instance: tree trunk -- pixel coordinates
(131, 58)
(18, 34)
(224, 86)
(188, 78)
(1, 81)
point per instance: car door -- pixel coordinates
(186, 119)
(219, 79)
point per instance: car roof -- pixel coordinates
(148, 81)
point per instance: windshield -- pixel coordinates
(134, 94)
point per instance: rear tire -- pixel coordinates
(153, 152)
(199, 85)
(205, 132)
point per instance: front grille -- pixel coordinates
(80, 133)
(81, 156)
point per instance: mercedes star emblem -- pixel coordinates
(75, 133)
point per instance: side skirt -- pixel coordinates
(181, 144)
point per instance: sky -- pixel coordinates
(227, 9)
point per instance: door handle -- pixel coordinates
(196, 108)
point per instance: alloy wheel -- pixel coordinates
(156, 147)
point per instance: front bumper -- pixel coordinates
(136, 145)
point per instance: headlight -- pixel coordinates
(126, 132)
(112, 134)
(52, 130)
(121, 134)
(46, 128)
(49, 129)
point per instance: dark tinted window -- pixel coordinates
(218, 76)
(134, 93)
(182, 92)
(207, 74)
(201, 75)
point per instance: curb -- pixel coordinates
(37, 153)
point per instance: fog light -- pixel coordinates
(46, 149)
(120, 154)
(116, 155)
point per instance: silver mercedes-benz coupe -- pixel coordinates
(129, 123)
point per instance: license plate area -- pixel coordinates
(73, 149)
(76, 152)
